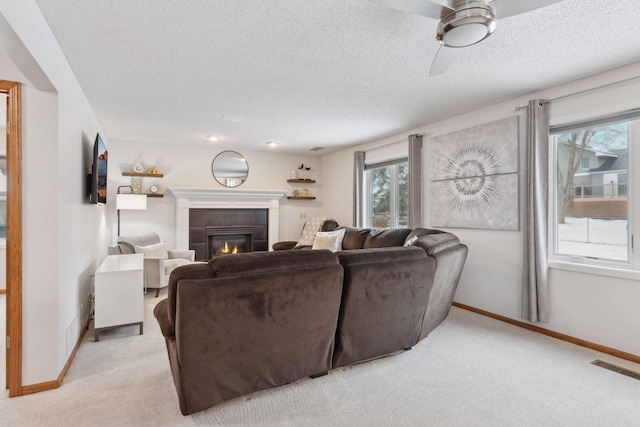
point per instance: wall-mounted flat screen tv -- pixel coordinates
(98, 176)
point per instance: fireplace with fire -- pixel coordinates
(214, 232)
(229, 240)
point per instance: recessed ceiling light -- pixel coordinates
(272, 143)
(212, 137)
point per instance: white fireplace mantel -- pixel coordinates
(224, 198)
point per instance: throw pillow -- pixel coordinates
(157, 250)
(311, 227)
(331, 240)
(411, 241)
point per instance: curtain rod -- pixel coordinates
(395, 142)
(593, 89)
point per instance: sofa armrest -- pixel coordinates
(161, 312)
(113, 250)
(435, 243)
(153, 272)
(189, 255)
(284, 246)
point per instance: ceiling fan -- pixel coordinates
(463, 22)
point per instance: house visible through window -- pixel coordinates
(593, 190)
(585, 163)
(386, 191)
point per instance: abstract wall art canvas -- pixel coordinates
(474, 177)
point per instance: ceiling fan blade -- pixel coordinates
(506, 8)
(417, 7)
(444, 58)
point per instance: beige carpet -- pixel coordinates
(471, 371)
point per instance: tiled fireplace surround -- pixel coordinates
(237, 199)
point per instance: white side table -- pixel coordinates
(119, 293)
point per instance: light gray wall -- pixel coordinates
(190, 166)
(64, 238)
(585, 305)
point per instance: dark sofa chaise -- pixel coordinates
(246, 322)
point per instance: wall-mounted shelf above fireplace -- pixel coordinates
(143, 175)
(303, 181)
(136, 180)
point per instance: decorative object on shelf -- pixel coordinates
(153, 171)
(293, 174)
(138, 168)
(136, 185)
(296, 193)
(131, 201)
(305, 192)
(230, 168)
(154, 189)
(305, 172)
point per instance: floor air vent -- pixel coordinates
(617, 369)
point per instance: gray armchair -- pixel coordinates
(159, 262)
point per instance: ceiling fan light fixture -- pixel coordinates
(466, 26)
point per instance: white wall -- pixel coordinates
(596, 308)
(64, 237)
(190, 166)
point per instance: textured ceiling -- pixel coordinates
(326, 73)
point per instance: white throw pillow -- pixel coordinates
(157, 250)
(411, 241)
(331, 240)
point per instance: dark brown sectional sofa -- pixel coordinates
(247, 322)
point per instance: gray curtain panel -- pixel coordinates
(535, 289)
(358, 188)
(415, 181)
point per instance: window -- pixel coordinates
(592, 208)
(386, 194)
(585, 163)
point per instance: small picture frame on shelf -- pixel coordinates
(305, 192)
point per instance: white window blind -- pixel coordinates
(394, 151)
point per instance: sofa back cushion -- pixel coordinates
(128, 243)
(354, 238)
(265, 262)
(387, 237)
(384, 298)
(270, 324)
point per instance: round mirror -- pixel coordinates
(230, 168)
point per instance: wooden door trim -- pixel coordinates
(14, 235)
